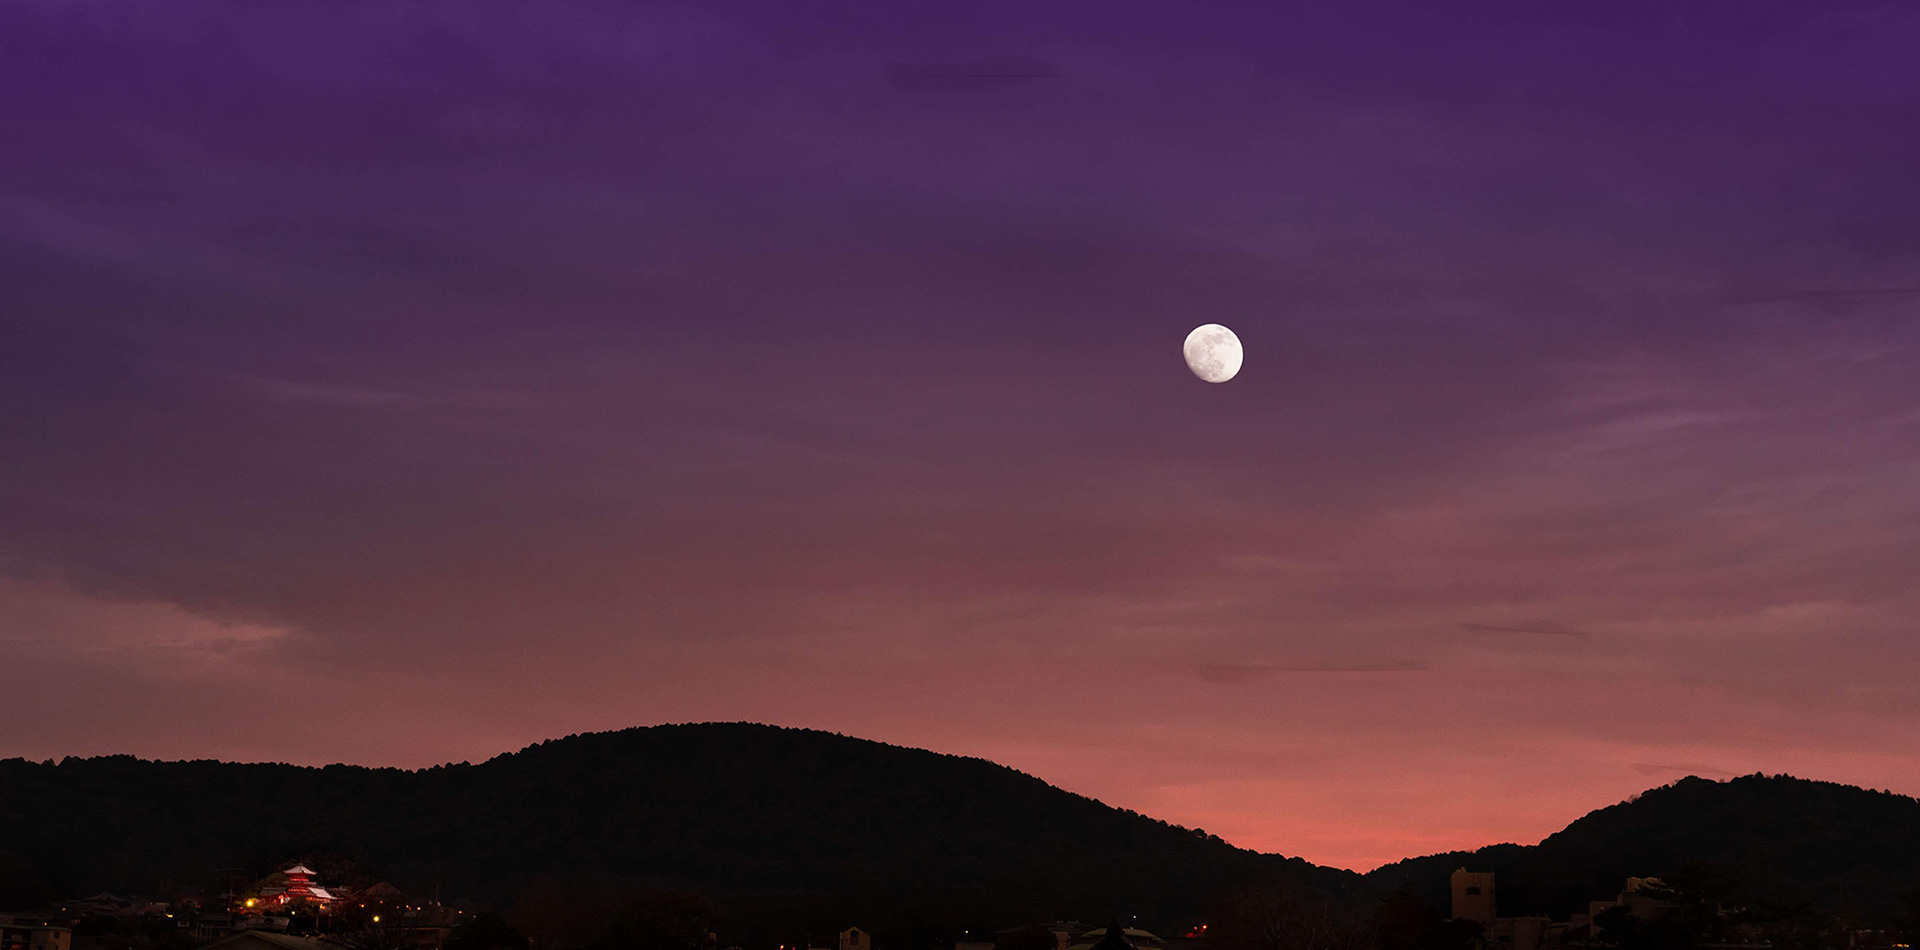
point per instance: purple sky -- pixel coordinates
(402, 382)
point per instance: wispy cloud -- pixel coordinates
(1534, 629)
(1233, 674)
(45, 617)
(1840, 293)
(356, 396)
(1651, 769)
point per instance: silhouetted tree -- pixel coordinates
(1800, 926)
(893, 838)
(1281, 916)
(1027, 938)
(664, 921)
(23, 883)
(486, 931)
(1741, 842)
(553, 914)
(1618, 927)
(1906, 926)
(1405, 922)
(1691, 917)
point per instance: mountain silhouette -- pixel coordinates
(794, 828)
(1775, 840)
(779, 826)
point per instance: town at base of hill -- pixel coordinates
(735, 834)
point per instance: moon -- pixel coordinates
(1213, 352)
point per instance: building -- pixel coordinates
(852, 938)
(419, 926)
(263, 922)
(103, 904)
(1474, 899)
(33, 933)
(1194, 939)
(1115, 937)
(1066, 934)
(207, 926)
(1519, 933)
(382, 893)
(267, 940)
(300, 886)
(1646, 898)
(1473, 895)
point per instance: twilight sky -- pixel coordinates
(403, 382)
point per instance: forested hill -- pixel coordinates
(764, 820)
(1773, 841)
(791, 827)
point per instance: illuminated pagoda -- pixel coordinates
(299, 886)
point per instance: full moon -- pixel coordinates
(1213, 353)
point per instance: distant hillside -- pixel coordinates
(782, 826)
(1773, 839)
(791, 828)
